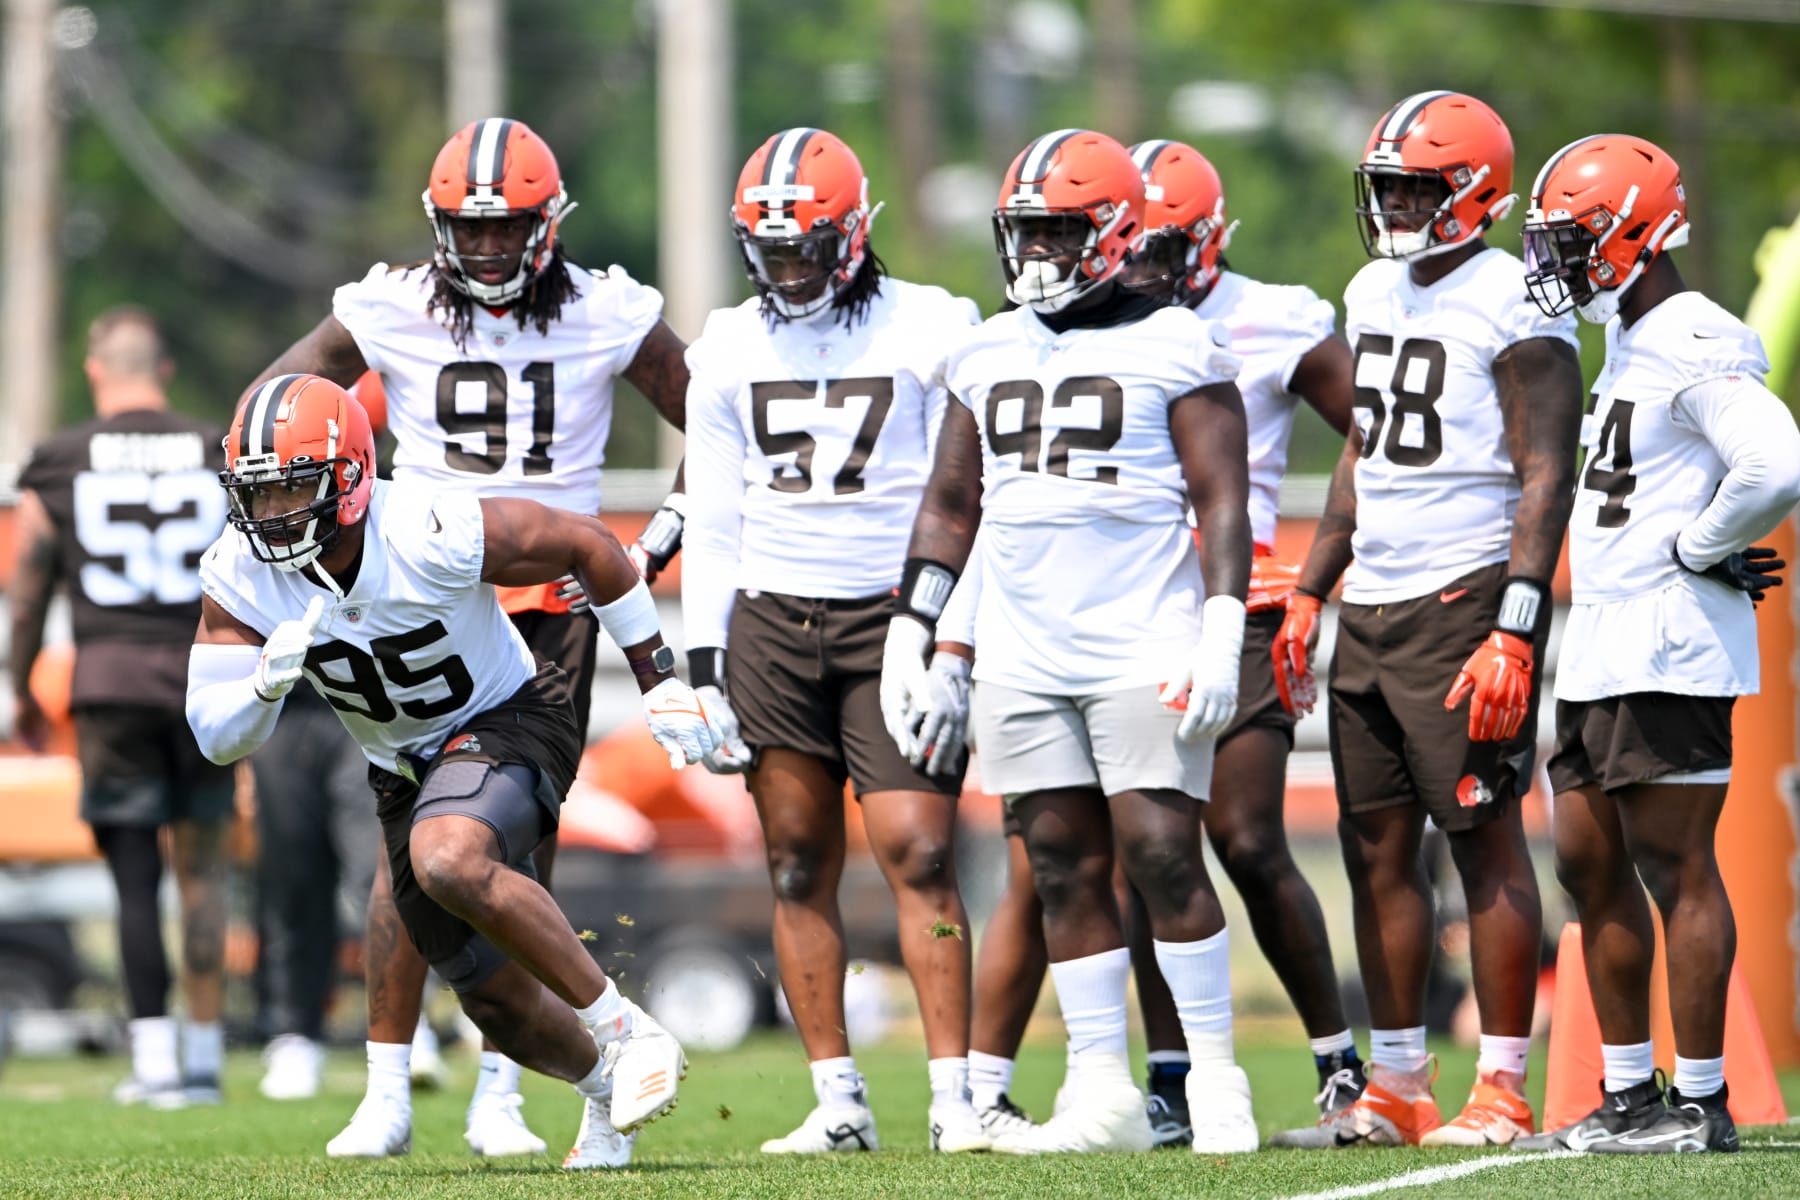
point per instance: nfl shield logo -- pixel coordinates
(352, 613)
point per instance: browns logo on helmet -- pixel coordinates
(1070, 213)
(802, 218)
(1437, 174)
(299, 466)
(1602, 209)
(495, 169)
(1184, 221)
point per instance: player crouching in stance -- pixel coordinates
(382, 594)
(1082, 425)
(1690, 458)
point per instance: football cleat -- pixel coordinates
(427, 1066)
(1004, 1118)
(1635, 1109)
(1218, 1105)
(202, 1089)
(597, 1144)
(163, 1096)
(1101, 1116)
(957, 1129)
(1169, 1121)
(1340, 1081)
(293, 1064)
(1687, 1126)
(839, 1129)
(1395, 1109)
(1494, 1115)
(381, 1127)
(495, 1128)
(645, 1067)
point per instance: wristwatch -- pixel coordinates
(660, 662)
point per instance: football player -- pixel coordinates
(119, 509)
(1284, 336)
(813, 411)
(1690, 458)
(471, 739)
(1451, 497)
(1085, 422)
(498, 357)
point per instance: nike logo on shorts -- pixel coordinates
(1452, 597)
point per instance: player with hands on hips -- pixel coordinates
(471, 740)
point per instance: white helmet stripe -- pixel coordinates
(1543, 176)
(487, 152)
(784, 162)
(1144, 154)
(1034, 167)
(1402, 115)
(259, 417)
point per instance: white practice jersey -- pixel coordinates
(1272, 327)
(417, 646)
(808, 448)
(1641, 623)
(513, 412)
(1435, 488)
(1089, 576)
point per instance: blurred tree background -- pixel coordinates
(228, 162)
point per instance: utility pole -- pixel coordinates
(1118, 98)
(694, 168)
(474, 60)
(28, 296)
(912, 111)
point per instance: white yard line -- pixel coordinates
(1431, 1175)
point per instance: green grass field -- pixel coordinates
(61, 1137)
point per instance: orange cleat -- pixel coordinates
(1395, 1109)
(1495, 1114)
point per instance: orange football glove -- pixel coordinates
(1271, 583)
(1497, 678)
(1294, 643)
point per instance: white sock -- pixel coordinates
(499, 1075)
(1697, 1077)
(390, 1070)
(425, 1038)
(1157, 1058)
(1337, 1043)
(1091, 993)
(1628, 1066)
(989, 1077)
(596, 1084)
(838, 1084)
(1503, 1054)
(202, 1050)
(949, 1082)
(1199, 978)
(609, 1017)
(1401, 1050)
(153, 1059)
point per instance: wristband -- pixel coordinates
(631, 618)
(661, 538)
(706, 667)
(1521, 600)
(925, 588)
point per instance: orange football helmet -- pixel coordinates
(489, 169)
(1602, 209)
(1184, 220)
(1072, 194)
(1453, 144)
(802, 218)
(299, 465)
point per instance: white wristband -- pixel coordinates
(631, 618)
(1222, 625)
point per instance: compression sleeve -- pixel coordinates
(1753, 432)
(715, 493)
(228, 718)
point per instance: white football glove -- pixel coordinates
(732, 756)
(679, 723)
(905, 686)
(285, 652)
(1206, 691)
(944, 724)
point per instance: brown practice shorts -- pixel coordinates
(1638, 739)
(141, 766)
(1392, 742)
(569, 641)
(805, 675)
(1259, 704)
(533, 728)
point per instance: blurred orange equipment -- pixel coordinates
(373, 397)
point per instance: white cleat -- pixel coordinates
(598, 1146)
(495, 1127)
(165, 1096)
(1098, 1117)
(293, 1067)
(957, 1129)
(841, 1129)
(1003, 1119)
(380, 1128)
(645, 1067)
(1219, 1111)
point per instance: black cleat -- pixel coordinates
(1687, 1126)
(1168, 1108)
(1340, 1081)
(1635, 1110)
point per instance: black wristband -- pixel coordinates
(661, 538)
(925, 588)
(706, 667)
(1522, 603)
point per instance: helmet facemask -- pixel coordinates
(1565, 264)
(799, 275)
(300, 500)
(1432, 230)
(535, 256)
(1051, 257)
(1163, 265)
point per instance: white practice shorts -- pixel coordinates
(1119, 741)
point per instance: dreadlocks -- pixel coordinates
(538, 305)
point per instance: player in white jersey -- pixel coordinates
(1451, 497)
(813, 409)
(1690, 458)
(498, 359)
(1084, 422)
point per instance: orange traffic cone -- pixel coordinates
(1572, 1080)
